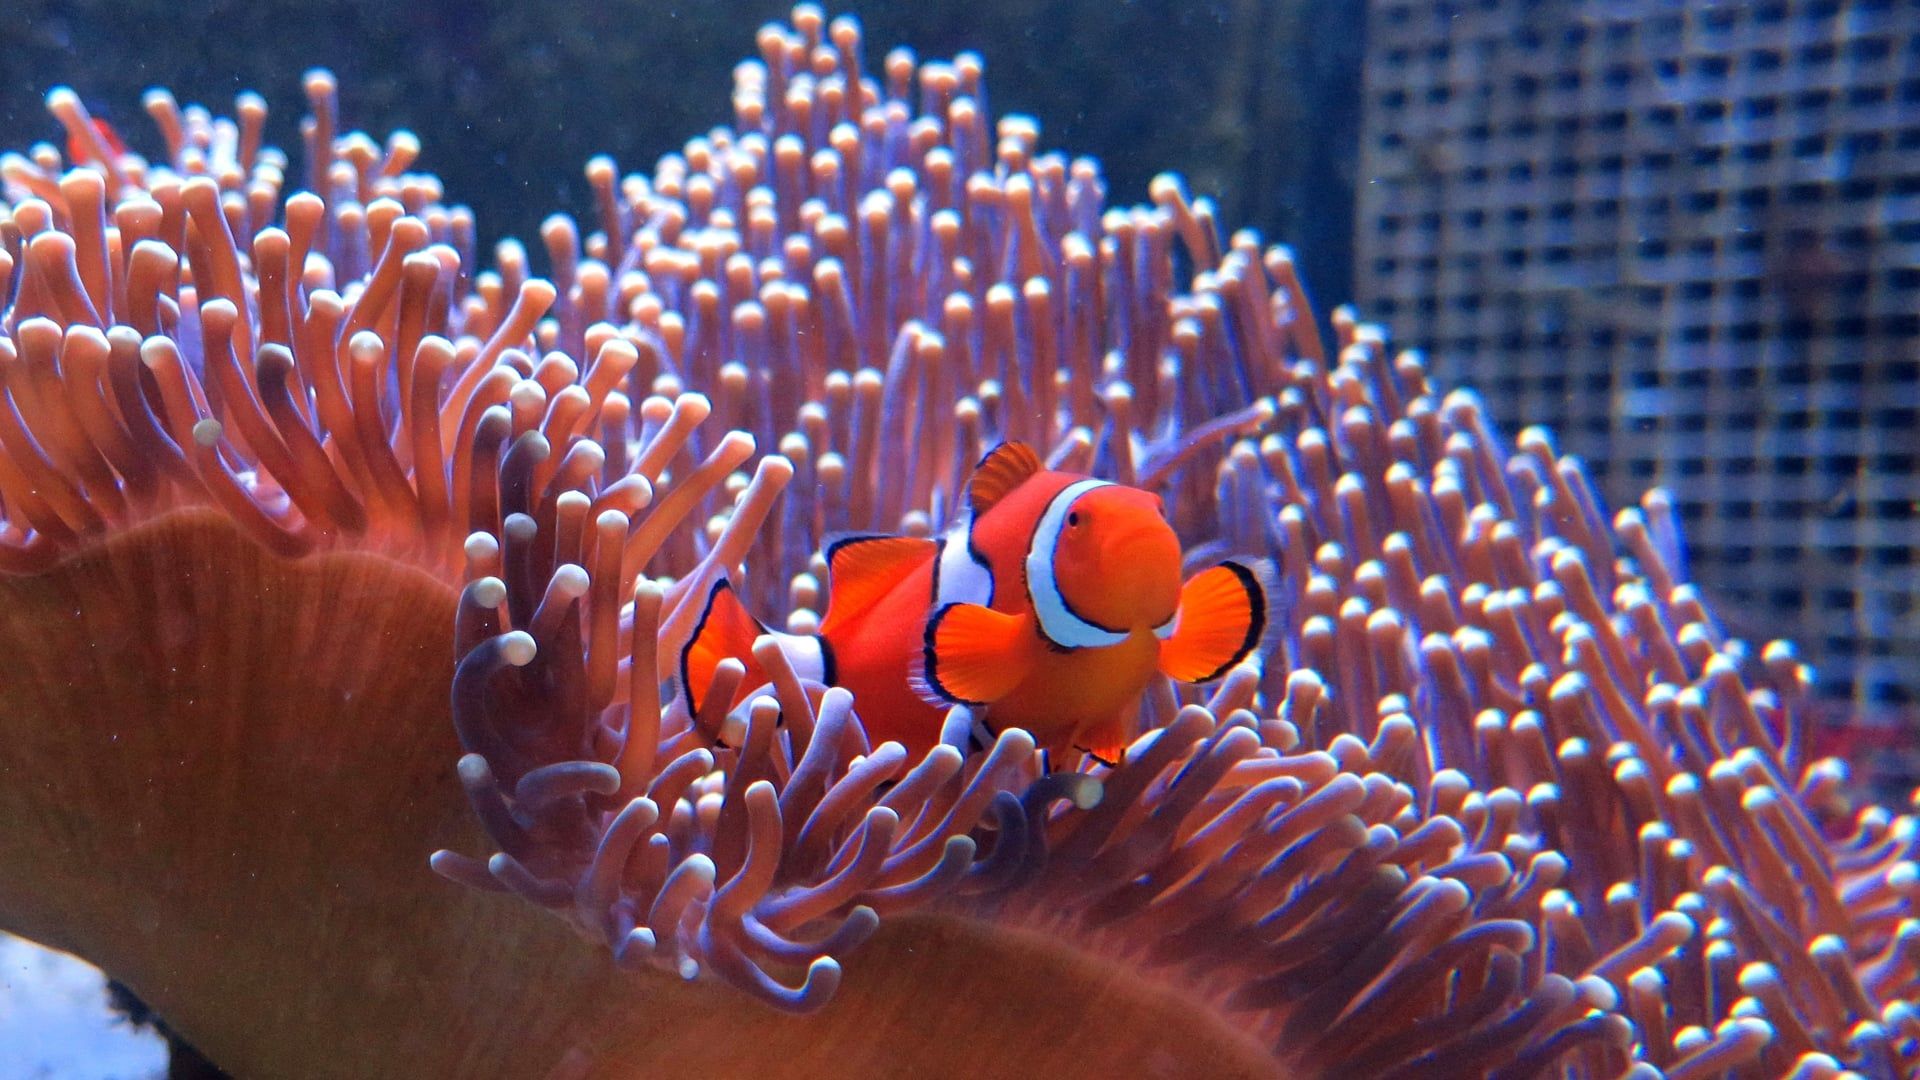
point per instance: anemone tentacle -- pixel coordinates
(1500, 737)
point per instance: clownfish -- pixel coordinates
(1049, 606)
(80, 150)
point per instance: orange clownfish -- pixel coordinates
(1048, 606)
(81, 150)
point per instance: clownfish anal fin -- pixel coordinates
(1224, 612)
(1107, 743)
(862, 568)
(725, 630)
(972, 655)
(1005, 467)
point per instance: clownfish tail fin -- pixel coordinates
(724, 631)
(1225, 615)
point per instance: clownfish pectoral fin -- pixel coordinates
(725, 630)
(1005, 467)
(972, 655)
(1223, 614)
(862, 568)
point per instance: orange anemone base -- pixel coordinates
(223, 772)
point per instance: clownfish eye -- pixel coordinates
(1073, 517)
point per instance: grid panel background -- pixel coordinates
(1685, 236)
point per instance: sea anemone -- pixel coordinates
(1503, 799)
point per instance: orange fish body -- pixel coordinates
(81, 150)
(1049, 607)
(873, 645)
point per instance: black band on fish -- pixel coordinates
(829, 667)
(836, 541)
(939, 559)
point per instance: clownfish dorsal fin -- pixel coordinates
(1005, 467)
(863, 567)
(973, 655)
(1224, 612)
